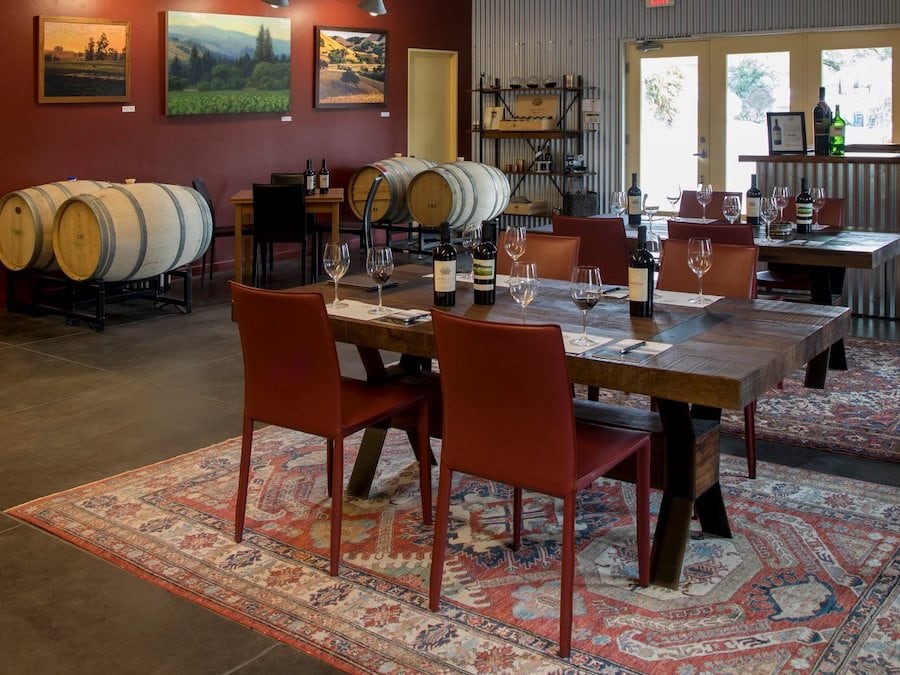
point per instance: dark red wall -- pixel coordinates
(49, 142)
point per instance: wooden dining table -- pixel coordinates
(724, 355)
(242, 201)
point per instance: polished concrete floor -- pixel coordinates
(78, 405)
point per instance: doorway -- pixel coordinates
(432, 104)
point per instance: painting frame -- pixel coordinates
(226, 64)
(62, 72)
(369, 89)
(786, 133)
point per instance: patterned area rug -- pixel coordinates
(858, 413)
(809, 583)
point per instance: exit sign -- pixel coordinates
(659, 3)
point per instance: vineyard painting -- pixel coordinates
(83, 60)
(227, 63)
(351, 68)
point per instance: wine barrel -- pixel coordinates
(458, 193)
(26, 222)
(389, 205)
(128, 232)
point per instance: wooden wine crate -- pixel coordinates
(529, 124)
(526, 208)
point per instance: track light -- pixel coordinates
(277, 3)
(373, 7)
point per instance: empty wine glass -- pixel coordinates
(674, 196)
(586, 291)
(699, 260)
(781, 197)
(651, 210)
(618, 203)
(523, 283)
(336, 261)
(514, 241)
(818, 197)
(731, 208)
(704, 196)
(768, 211)
(471, 235)
(379, 266)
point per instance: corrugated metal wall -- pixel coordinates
(587, 37)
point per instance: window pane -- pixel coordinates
(859, 80)
(757, 84)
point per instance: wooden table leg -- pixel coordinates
(823, 282)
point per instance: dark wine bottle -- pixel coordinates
(309, 178)
(753, 197)
(804, 204)
(821, 124)
(484, 269)
(444, 266)
(634, 202)
(776, 133)
(641, 267)
(324, 178)
(836, 134)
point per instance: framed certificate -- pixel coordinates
(787, 133)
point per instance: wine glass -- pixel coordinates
(674, 196)
(586, 292)
(471, 235)
(768, 211)
(523, 283)
(818, 197)
(514, 241)
(781, 197)
(618, 203)
(731, 208)
(651, 210)
(699, 260)
(379, 266)
(336, 261)
(704, 196)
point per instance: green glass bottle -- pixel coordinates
(836, 134)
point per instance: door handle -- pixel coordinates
(701, 154)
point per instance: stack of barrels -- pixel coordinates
(94, 230)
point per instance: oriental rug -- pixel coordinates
(857, 414)
(808, 584)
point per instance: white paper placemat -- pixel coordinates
(634, 349)
(568, 336)
(354, 310)
(681, 299)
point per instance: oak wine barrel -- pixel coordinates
(458, 193)
(129, 232)
(26, 222)
(389, 205)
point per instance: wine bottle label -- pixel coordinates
(310, 183)
(444, 276)
(323, 181)
(753, 207)
(634, 205)
(638, 288)
(483, 274)
(804, 213)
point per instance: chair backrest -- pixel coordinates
(287, 178)
(530, 438)
(279, 212)
(733, 271)
(736, 235)
(603, 243)
(690, 207)
(831, 214)
(291, 373)
(555, 256)
(200, 186)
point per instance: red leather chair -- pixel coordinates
(292, 379)
(538, 446)
(689, 207)
(733, 274)
(736, 235)
(603, 243)
(555, 256)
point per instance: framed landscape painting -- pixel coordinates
(227, 63)
(350, 67)
(83, 60)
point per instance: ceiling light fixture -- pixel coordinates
(373, 7)
(277, 3)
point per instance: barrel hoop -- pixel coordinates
(38, 232)
(203, 208)
(474, 193)
(182, 229)
(64, 188)
(107, 234)
(142, 227)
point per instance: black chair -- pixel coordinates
(279, 216)
(218, 231)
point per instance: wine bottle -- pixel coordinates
(444, 266)
(804, 205)
(836, 134)
(821, 124)
(753, 197)
(309, 178)
(776, 133)
(634, 202)
(641, 267)
(484, 269)
(324, 178)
